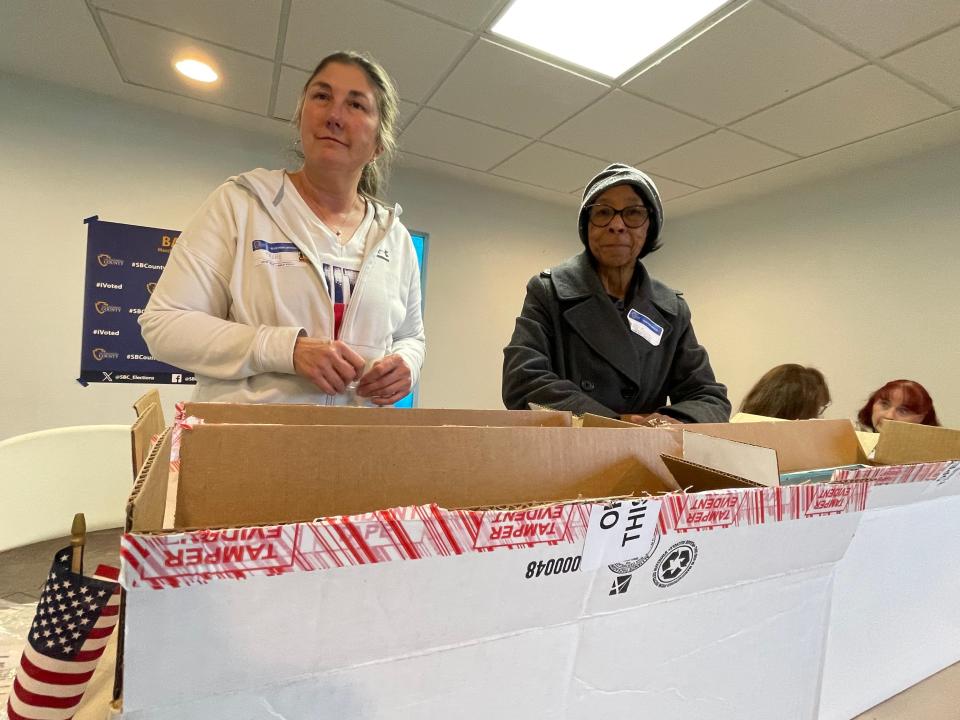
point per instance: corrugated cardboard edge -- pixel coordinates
(146, 502)
(146, 426)
(908, 444)
(150, 397)
(691, 477)
(145, 497)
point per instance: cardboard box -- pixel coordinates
(331, 415)
(895, 607)
(895, 613)
(402, 601)
(717, 456)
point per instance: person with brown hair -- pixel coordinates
(901, 400)
(301, 286)
(789, 392)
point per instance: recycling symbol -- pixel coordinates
(675, 562)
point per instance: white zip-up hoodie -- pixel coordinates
(240, 286)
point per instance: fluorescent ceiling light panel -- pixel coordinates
(607, 36)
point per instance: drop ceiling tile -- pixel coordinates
(714, 159)
(56, 42)
(415, 50)
(146, 54)
(466, 13)
(866, 102)
(622, 127)
(879, 26)
(550, 167)
(670, 189)
(752, 59)
(935, 63)
(513, 91)
(289, 87)
(252, 26)
(462, 142)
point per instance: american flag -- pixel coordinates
(74, 619)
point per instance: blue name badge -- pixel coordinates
(644, 327)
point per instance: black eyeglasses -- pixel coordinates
(633, 217)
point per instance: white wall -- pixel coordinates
(67, 154)
(484, 247)
(857, 276)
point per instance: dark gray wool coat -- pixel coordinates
(572, 350)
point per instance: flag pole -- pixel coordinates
(78, 536)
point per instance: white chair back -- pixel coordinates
(48, 476)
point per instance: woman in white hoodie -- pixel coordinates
(301, 286)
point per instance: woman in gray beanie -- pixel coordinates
(597, 334)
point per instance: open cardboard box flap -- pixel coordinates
(903, 443)
(799, 444)
(757, 453)
(717, 456)
(693, 477)
(233, 475)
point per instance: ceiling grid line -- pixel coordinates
(278, 56)
(878, 61)
(105, 36)
(754, 89)
(215, 43)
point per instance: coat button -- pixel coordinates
(627, 392)
(587, 385)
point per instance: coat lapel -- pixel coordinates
(593, 317)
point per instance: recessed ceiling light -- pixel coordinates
(196, 70)
(607, 36)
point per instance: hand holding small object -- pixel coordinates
(386, 382)
(651, 420)
(328, 364)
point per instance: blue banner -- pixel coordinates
(124, 263)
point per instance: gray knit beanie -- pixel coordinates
(620, 174)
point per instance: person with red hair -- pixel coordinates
(901, 400)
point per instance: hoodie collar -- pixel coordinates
(269, 188)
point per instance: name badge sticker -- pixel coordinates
(645, 327)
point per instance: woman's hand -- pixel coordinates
(386, 382)
(329, 365)
(651, 420)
